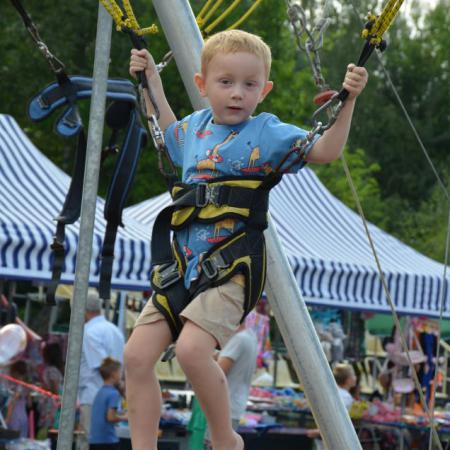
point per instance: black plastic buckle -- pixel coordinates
(212, 265)
(57, 246)
(207, 195)
(209, 269)
(168, 274)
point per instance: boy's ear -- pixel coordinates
(267, 88)
(199, 80)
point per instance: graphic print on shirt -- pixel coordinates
(252, 166)
(179, 137)
(225, 224)
(212, 159)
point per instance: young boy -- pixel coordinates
(104, 409)
(224, 140)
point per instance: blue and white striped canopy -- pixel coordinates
(32, 192)
(329, 252)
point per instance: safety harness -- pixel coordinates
(243, 252)
(122, 114)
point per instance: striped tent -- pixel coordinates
(330, 255)
(32, 192)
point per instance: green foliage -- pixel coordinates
(363, 176)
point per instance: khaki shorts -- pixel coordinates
(217, 310)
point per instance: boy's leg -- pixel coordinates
(142, 351)
(195, 348)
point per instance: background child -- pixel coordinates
(345, 377)
(17, 416)
(224, 140)
(104, 410)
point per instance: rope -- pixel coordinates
(209, 9)
(390, 302)
(446, 193)
(376, 30)
(413, 128)
(223, 16)
(436, 367)
(126, 19)
(378, 25)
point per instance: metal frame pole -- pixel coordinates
(84, 251)
(291, 314)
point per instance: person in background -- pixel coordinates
(101, 339)
(345, 377)
(52, 380)
(16, 416)
(105, 408)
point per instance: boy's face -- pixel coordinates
(235, 83)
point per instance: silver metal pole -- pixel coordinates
(84, 252)
(291, 314)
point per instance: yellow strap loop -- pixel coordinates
(212, 11)
(200, 19)
(209, 9)
(245, 16)
(382, 22)
(223, 16)
(126, 19)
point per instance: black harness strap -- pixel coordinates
(242, 252)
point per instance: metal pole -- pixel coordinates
(84, 252)
(291, 314)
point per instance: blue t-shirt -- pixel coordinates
(205, 150)
(103, 431)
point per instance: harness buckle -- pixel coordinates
(57, 246)
(207, 195)
(212, 265)
(168, 274)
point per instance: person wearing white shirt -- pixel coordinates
(101, 339)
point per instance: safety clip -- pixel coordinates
(168, 274)
(207, 195)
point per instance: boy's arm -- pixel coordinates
(330, 145)
(114, 417)
(142, 60)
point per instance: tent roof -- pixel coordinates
(33, 190)
(330, 255)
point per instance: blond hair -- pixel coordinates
(342, 372)
(233, 41)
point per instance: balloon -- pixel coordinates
(13, 340)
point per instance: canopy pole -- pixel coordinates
(291, 314)
(84, 251)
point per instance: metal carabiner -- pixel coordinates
(332, 112)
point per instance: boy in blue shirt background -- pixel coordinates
(105, 408)
(222, 141)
